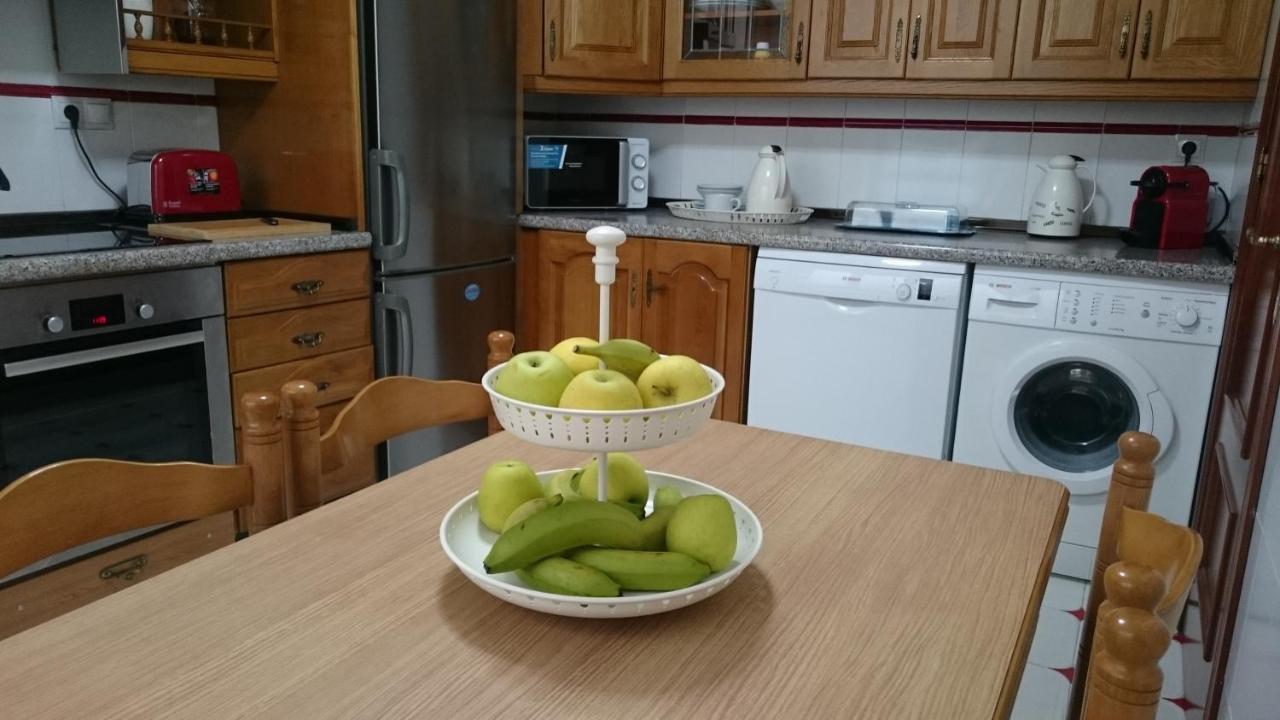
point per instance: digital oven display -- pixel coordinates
(98, 312)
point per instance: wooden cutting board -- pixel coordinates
(239, 229)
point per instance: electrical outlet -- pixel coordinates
(1179, 157)
(95, 113)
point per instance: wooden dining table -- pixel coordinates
(888, 586)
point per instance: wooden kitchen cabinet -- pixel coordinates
(962, 39)
(603, 39)
(1201, 39)
(859, 39)
(735, 41)
(1076, 39)
(682, 298)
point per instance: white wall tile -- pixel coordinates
(1059, 111)
(993, 175)
(817, 107)
(917, 109)
(709, 157)
(1219, 160)
(27, 155)
(813, 166)
(869, 165)
(1046, 145)
(762, 107)
(929, 167)
(109, 149)
(666, 168)
(747, 141)
(1002, 110)
(711, 106)
(162, 126)
(204, 128)
(888, 108)
(1243, 176)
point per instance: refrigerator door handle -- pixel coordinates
(390, 159)
(398, 306)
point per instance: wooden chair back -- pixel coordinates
(67, 504)
(384, 409)
(1142, 576)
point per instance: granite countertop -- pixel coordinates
(986, 247)
(72, 265)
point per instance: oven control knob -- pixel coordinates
(903, 291)
(53, 323)
(146, 311)
(638, 183)
(638, 162)
(1186, 316)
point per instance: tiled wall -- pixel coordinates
(979, 154)
(43, 165)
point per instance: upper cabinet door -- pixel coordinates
(1076, 39)
(603, 39)
(962, 39)
(736, 39)
(859, 39)
(1201, 39)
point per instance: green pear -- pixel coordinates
(703, 528)
(506, 485)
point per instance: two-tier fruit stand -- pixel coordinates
(466, 541)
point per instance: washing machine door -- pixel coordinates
(1061, 407)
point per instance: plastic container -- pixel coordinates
(906, 217)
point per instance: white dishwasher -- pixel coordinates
(858, 349)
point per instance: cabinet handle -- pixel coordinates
(126, 569)
(551, 41)
(1262, 240)
(323, 385)
(1147, 23)
(635, 289)
(800, 44)
(311, 339)
(1125, 28)
(650, 287)
(897, 42)
(915, 37)
(307, 287)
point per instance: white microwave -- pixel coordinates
(564, 172)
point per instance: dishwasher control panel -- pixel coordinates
(859, 284)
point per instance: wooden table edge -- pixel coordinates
(1031, 617)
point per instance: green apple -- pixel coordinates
(653, 529)
(703, 528)
(628, 482)
(506, 485)
(527, 509)
(577, 363)
(601, 390)
(536, 377)
(672, 380)
(564, 484)
(666, 496)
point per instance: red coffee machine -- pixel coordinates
(1171, 211)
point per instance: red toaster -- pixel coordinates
(1171, 211)
(183, 182)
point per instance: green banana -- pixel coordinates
(629, 357)
(653, 529)
(566, 577)
(642, 570)
(528, 509)
(634, 508)
(560, 528)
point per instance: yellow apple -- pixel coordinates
(703, 528)
(673, 380)
(506, 485)
(577, 363)
(601, 390)
(628, 482)
(536, 377)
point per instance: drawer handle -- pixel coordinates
(308, 287)
(126, 569)
(311, 339)
(323, 385)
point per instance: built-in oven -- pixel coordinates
(130, 367)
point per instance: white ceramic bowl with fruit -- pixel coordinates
(641, 400)
(684, 534)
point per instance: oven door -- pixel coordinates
(157, 394)
(575, 173)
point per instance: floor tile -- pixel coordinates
(1056, 639)
(1065, 593)
(1044, 695)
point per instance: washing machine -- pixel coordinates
(1058, 365)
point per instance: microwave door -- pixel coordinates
(622, 173)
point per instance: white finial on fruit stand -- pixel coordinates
(606, 240)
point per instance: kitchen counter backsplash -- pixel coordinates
(66, 266)
(981, 155)
(1108, 256)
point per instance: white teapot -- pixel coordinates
(1057, 206)
(767, 192)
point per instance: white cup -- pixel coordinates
(770, 205)
(720, 198)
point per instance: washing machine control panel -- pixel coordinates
(1155, 314)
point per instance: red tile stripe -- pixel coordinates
(162, 98)
(1071, 128)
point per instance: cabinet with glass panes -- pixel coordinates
(733, 39)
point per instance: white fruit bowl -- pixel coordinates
(601, 430)
(466, 541)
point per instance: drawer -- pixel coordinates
(360, 473)
(29, 602)
(257, 286)
(338, 376)
(279, 337)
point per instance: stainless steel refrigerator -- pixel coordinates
(439, 91)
